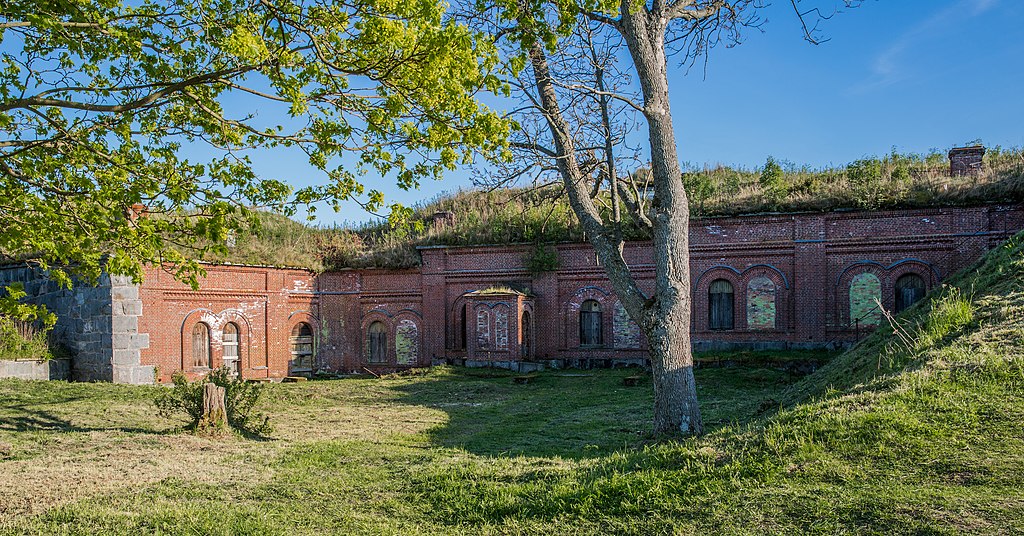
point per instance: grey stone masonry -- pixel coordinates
(98, 324)
(53, 369)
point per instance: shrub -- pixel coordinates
(773, 182)
(699, 188)
(240, 398)
(865, 178)
(24, 340)
(541, 259)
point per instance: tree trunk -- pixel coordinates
(675, 391)
(665, 316)
(668, 323)
(215, 416)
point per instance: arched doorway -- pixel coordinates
(526, 331)
(377, 343)
(301, 343)
(231, 354)
(720, 305)
(909, 289)
(591, 323)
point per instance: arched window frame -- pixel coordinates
(302, 348)
(591, 324)
(721, 305)
(202, 353)
(377, 342)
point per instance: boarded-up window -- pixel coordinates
(909, 289)
(201, 346)
(501, 327)
(302, 348)
(720, 305)
(377, 343)
(590, 324)
(625, 331)
(761, 303)
(865, 293)
(483, 329)
(407, 342)
(230, 340)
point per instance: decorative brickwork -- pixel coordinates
(797, 281)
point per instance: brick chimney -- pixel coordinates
(138, 210)
(966, 160)
(441, 221)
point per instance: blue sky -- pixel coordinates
(911, 74)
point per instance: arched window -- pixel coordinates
(301, 343)
(377, 343)
(407, 342)
(201, 346)
(720, 305)
(526, 336)
(483, 329)
(761, 303)
(230, 341)
(590, 324)
(909, 289)
(865, 294)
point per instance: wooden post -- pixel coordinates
(215, 416)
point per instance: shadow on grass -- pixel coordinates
(575, 414)
(24, 418)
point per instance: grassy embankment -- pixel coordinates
(920, 434)
(507, 216)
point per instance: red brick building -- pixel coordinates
(765, 281)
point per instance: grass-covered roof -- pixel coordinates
(524, 215)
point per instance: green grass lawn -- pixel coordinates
(919, 434)
(402, 454)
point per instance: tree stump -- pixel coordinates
(215, 416)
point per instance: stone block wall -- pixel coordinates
(97, 323)
(52, 369)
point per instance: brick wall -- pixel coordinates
(966, 160)
(791, 276)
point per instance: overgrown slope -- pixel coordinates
(518, 215)
(913, 434)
